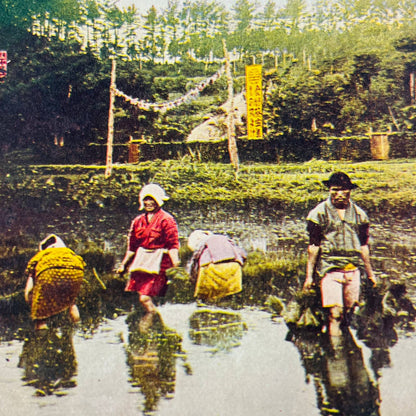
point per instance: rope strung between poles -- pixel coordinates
(169, 105)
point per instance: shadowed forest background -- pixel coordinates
(333, 69)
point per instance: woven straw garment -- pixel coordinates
(58, 275)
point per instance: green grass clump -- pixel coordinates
(384, 186)
(271, 273)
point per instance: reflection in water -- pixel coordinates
(377, 320)
(152, 352)
(376, 329)
(48, 359)
(343, 384)
(221, 330)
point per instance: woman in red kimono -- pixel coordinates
(152, 248)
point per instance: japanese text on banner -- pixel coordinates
(254, 98)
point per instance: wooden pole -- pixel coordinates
(232, 144)
(110, 137)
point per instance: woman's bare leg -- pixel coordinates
(147, 303)
(147, 320)
(40, 324)
(74, 313)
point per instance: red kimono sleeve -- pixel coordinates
(171, 233)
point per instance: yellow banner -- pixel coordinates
(254, 97)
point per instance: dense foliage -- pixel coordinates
(333, 68)
(386, 187)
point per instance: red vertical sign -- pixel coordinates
(3, 65)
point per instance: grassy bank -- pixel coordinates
(385, 187)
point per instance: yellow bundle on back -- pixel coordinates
(218, 280)
(58, 274)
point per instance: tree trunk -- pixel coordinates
(110, 137)
(232, 144)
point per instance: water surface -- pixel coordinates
(209, 361)
(248, 368)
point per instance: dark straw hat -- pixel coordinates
(340, 179)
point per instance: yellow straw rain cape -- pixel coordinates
(217, 280)
(58, 274)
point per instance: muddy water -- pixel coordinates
(195, 360)
(229, 363)
(252, 372)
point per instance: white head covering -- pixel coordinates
(154, 191)
(197, 238)
(51, 241)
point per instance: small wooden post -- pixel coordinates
(133, 151)
(379, 144)
(110, 137)
(232, 144)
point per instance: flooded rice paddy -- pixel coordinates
(194, 359)
(249, 368)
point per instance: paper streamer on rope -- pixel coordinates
(169, 105)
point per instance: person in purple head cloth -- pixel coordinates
(216, 265)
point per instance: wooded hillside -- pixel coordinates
(332, 69)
